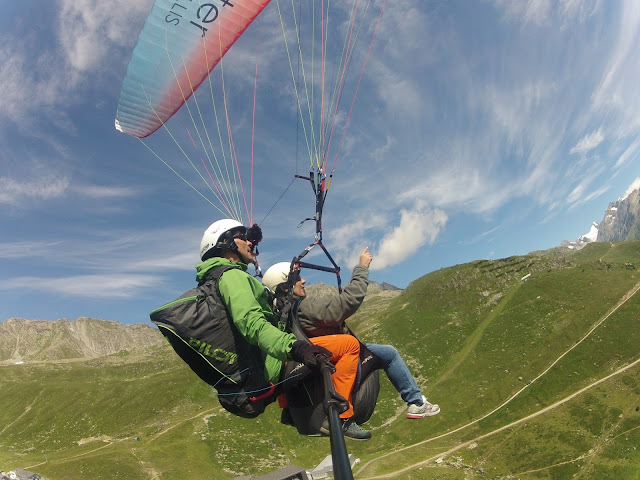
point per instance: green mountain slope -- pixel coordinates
(536, 379)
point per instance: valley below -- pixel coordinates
(537, 378)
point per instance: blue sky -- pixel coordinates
(481, 130)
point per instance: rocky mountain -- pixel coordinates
(621, 222)
(322, 290)
(384, 286)
(39, 340)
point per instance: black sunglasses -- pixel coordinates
(240, 233)
(294, 276)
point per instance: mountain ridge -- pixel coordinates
(83, 338)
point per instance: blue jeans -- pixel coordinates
(397, 372)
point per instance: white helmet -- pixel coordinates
(211, 237)
(275, 275)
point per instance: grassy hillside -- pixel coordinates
(536, 379)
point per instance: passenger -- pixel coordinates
(321, 316)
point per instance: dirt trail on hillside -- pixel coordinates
(26, 410)
(619, 304)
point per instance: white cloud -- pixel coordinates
(526, 11)
(583, 192)
(418, 226)
(630, 152)
(580, 196)
(28, 88)
(588, 142)
(87, 33)
(98, 191)
(460, 186)
(14, 192)
(167, 249)
(119, 286)
(350, 238)
(381, 153)
(618, 87)
(479, 237)
(389, 245)
(399, 93)
(179, 261)
(634, 186)
(397, 33)
(542, 12)
(596, 193)
(400, 48)
(26, 249)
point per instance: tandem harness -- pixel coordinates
(200, 330)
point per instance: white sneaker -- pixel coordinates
(424, 410)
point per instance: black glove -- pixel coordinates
(309, 354)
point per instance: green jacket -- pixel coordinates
(326, 315)
(247, 303)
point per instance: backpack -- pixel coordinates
(200, 330)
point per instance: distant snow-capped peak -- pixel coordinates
(582, 240)
(592, 235)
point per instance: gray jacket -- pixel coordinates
(326, 315)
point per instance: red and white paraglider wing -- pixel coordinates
(180, 43)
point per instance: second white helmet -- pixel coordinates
(275, 275)
(211, 236)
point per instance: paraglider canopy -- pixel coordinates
(180, 43)
(183, 41)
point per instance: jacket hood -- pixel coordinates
(202, 269)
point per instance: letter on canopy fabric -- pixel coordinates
(180, 43)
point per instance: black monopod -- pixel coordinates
(334, 404)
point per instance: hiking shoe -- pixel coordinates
(352, 430)
(424, 410)
(349, 428)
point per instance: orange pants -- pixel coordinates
(346, 352)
